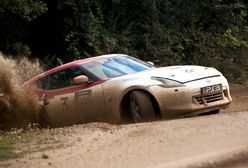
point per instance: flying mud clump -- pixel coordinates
(18, 107)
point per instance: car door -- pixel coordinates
(67, 103)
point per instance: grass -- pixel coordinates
(18, 142)
(11, 143)
(7, 150)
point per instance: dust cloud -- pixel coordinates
(18, 106)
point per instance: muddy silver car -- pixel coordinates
(117, 88)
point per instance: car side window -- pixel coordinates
(40, 84)
(62, 78)
(56, 80)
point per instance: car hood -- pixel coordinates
(185, 73)
(182, 74)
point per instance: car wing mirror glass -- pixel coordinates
(81, 80)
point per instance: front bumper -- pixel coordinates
(174, 102)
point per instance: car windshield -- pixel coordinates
(115, 66)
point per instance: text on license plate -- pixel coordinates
(212, 89)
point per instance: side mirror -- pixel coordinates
(151, 63)
(81, 80)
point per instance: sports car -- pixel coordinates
(120, 88)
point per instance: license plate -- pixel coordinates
(212, 89)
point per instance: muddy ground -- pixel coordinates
(206, 141)
(240, 98)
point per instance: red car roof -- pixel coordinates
(73, 64)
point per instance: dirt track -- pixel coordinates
(207, 141)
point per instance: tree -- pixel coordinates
(15, 17)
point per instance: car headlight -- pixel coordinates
(167, 83)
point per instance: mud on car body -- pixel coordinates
(118, 88)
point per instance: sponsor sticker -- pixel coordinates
(80, 96)
(212, 89)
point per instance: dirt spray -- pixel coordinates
(18, 106)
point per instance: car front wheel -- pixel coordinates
(141, 107)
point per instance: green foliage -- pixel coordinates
(25, 9)
(211, 33)
(15, 17)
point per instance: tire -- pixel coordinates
(141, 107)
(43, 118)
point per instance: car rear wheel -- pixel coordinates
(43, 118)
(141, 107)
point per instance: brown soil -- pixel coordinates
(239, 94)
